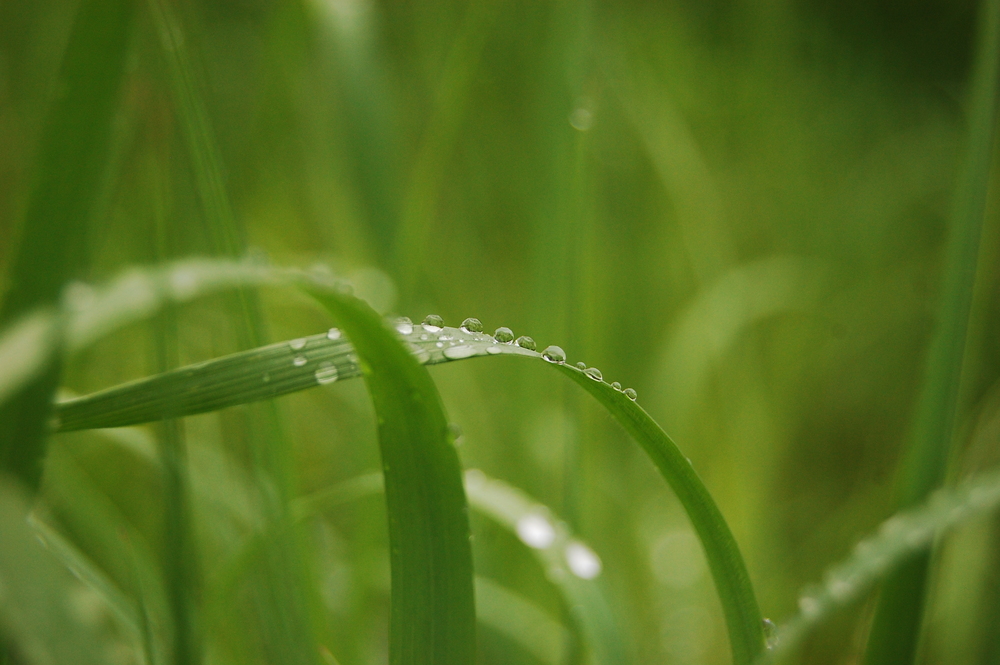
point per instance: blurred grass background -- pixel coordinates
(736, 208)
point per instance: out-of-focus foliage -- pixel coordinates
(737, 209)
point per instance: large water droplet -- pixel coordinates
(404, 325)
(582, 560)
(459, 352)
(327, 373)
(504, 335)
(554, 354)
(526, 342)
(471, 325)
(297, 344)
(333, 333)
(433, 323)
(299, 361)
(631, 394)
(617, 386)
(594, 373)
(536, 531)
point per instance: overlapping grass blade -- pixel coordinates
(242, 375)
(73, 157)
(570, 564)
(432, 616)
(878, 556)
(896, 628)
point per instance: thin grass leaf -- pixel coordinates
(879, 555)
(242, 375)
(432, 615)
(517, 618)
(896, 628)
(570, 564)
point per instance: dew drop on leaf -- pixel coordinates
(471, 325)
(594, 373)
(526, 342)
(554, 354)
(327, 373)
(582, 560)
(631, 394)
(504, 335)
(536, 531)
(299, 361)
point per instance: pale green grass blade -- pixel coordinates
(51, 248)
(897, 625)
(878, 556)
(569, 563)
(436, 345)
(432, 615)
(520, 620)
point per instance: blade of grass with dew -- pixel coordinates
(878, 556)
(432, 614)
(72, 159)
(896, 628)
(729, 572)
(570, 564)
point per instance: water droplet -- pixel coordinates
(327, 373)
(459, 352)
(333, 333)
(455, 434)
(433, 322)
(404, 325)
(594, 373)
(299, 361)
(770, 633)
(504, 335)
(554, 354)
(493, 350)
(297, 344)
(581, 119)
(471, 325)
(809, 606)
(631, 394)
(582, 560)
(617, 386)
(439, 345)
(536, 531)
(526, 342)
(581, 365)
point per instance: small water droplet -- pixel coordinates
(770, 633)
(333, 333)
(594, 373)
(327, 373)
(504, 335)
(617, 386)
(297, 344)
(554, 354)
(439, 345)
(526, 342)
(493, 350)
(471, 325)
(582, 560)
(266, 377)
(536, 531)
(299, 361)
(631, 394)
(404, 325)
(459, 352)
(433, 323)
(581, 365)
(455, 434)
(581, 119)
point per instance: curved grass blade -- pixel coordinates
(514, 616)
(432, 345)
(432, 613)
(878, 556)
(569, 564)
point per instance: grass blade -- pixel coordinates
(876, 557)
(72, 159)
(896, 628)
(242, 372)
(432, 616)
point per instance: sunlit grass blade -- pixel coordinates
(432, 615)
(896, 627)
(879, 555)
(568, 562)
(50, 251)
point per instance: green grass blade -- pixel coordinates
(73, 156)
(896, 628)
(432, 616)
(243, 372)
(548, 537)
(876, 557)
(520, 620)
